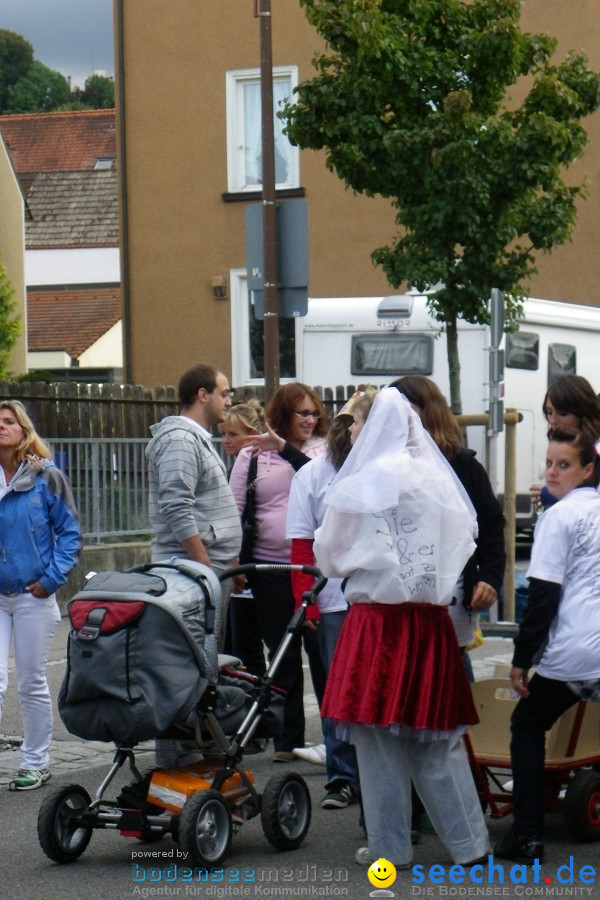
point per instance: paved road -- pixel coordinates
(323, 866)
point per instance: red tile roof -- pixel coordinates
(70, 320)
(60, 141)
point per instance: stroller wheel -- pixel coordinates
(61, 834)
(285, 811)
(204, 828)
(582, 806)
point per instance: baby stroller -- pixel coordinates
(143, 663)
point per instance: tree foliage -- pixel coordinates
(40, 90)
(16, 58)
(28, 86)
(411, 101)
(10, 325)
(98, 93)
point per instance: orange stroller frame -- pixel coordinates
(572, 765)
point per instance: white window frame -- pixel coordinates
(240, 326)
(234, 93)
(240, 332)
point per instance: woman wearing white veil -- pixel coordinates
(400, 528)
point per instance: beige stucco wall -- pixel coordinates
(12, 251)
(572, 272)
(181, 232)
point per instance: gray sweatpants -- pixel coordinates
(441, 774)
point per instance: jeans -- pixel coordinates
(531, 719)
(341, 756)
(31, 623)
(312, 648)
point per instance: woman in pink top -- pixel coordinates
(297, 426)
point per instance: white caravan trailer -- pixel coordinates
(346, 341)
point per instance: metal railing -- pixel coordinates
(109, 479)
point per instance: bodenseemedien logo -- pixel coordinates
(518, 875)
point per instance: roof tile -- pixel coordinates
(61, 141)
(73, 209)
(70, 320)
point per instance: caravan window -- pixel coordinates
(562, 360)
(523, 350)
(392, 354)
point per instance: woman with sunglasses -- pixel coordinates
(297, 424)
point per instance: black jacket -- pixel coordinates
(488, 561)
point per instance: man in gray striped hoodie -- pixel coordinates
(192, 510)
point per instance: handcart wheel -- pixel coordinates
(204, 828)
(285, 811)
(582, 806)
(61, 835)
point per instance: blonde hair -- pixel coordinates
(32, 444)
(363, 403)
(249, 415)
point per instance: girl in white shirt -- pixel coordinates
(561, 628)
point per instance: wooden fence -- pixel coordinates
(70, 410)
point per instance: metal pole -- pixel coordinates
(510, 512)
(271, 320)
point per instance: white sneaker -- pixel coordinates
(315, 755)
(364, 858)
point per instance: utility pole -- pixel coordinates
(271, 319)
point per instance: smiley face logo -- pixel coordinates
(382, 873)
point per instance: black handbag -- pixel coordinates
(248, 516)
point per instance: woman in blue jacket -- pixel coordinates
(40, 543)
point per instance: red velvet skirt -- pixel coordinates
(399, 664)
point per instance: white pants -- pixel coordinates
(31, 623)
(441, 774)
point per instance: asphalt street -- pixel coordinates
(112, 866)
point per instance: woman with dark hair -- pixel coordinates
(561, 627)
(570, 402)
(297, 423)
(483, 574)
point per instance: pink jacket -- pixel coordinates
(273, 480)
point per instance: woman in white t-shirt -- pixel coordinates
(561, 629)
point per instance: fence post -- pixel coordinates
(96, 489)
(511, 418)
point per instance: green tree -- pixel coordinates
(16, 58)
(10, 325)
(98, 93)
(411, 101)
(40, 90)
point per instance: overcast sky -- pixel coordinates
(74, 37)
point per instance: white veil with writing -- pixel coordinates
(399, 525)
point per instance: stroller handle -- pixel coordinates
(320, 580)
